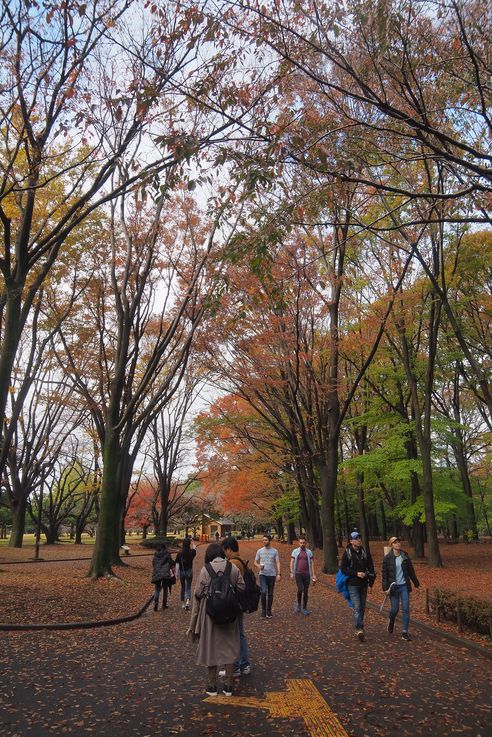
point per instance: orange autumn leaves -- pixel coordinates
(238, 477)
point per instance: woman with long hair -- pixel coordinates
(185, 561)
(218, 644)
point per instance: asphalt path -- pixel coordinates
(140, 678)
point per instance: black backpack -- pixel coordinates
(250, 597)
(222, 603)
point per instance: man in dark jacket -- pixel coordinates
(358, 566)
(397, 573)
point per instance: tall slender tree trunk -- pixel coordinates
(361, 504)
(417, 530)
(423, 433)
(434, 554)
(471, 520)
(461, 462)
(328, 472)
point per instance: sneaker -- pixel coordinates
(297, 608)
(236, 673)
(360, 635)
(183, 606)
(390, 626)
(263, 615)
(222, 673)
(405, 636)
(211, 691)
(227, 690)
(306, 612)
(246, 670)
(269, 615)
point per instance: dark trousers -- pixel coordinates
(267, 584)
(166, 588)
(302, 582)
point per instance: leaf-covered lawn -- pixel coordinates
(61, 592)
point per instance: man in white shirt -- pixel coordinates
(268, 563)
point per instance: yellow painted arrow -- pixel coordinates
(301, 699)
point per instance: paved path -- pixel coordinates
(311, 677)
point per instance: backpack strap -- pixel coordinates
(211, 571)
(214, 574)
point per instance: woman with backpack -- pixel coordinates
(184, 560)
(214, 618)
(162, 575)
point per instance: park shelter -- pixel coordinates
(211, 525)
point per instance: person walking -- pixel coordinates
(242, 667)
(162, 574)
(218, 644)
(302, 572)
(267, 561)
(357, 564)
(184, 560)
(397, 573)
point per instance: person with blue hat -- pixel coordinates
(357, 564)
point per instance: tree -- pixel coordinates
(44, 426)
(84, 88)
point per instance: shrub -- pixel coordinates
(154, 542)
(467, 611)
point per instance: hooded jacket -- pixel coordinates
(161, 566)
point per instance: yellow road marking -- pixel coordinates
(301, 699)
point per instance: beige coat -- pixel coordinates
(218, 643)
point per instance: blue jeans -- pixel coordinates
(243, 646)
(186, 577)
(397, 593)
(267, 584)
(358, 594)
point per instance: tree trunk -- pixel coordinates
(422, 426)
(280, 528)
(363, 528)
(384, 530)
(328, 481)
(461, 462)
(19, 507)
(434, 554)
(291, 532)
(11, 329)
(164, 494)
(107, 527)
(51, 534)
